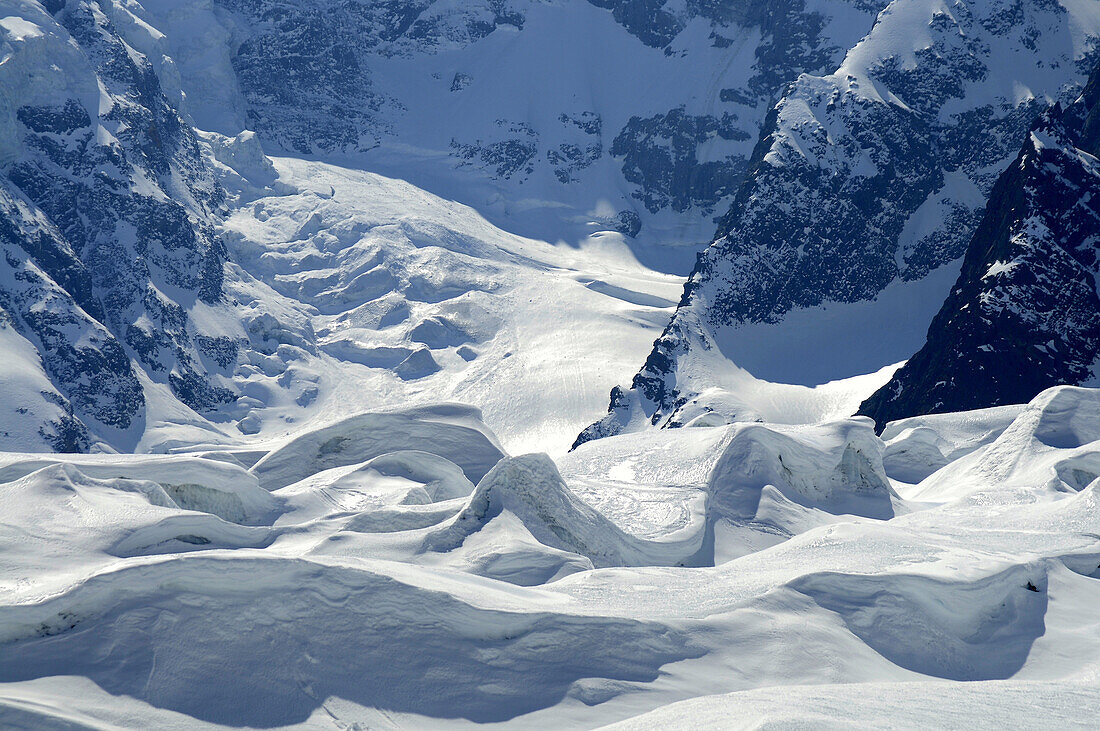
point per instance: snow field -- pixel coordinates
(729, 564)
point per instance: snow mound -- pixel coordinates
(324, 633)
(439, 479)
(1063, 417)
(708, 495)
(60, 517)
(980, 630)
(1051, 446)
(191, 483)
(451, 431)
(396, 491)
(992, 704)
(530, 488)
(918, 446)
(835, 467)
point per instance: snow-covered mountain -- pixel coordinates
(862, 194)
(1025, 312)
(109, 236)
(625, 150)
(302, 305)
(553, 118)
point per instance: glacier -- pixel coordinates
(303, 306)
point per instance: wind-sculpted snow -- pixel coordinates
(955, 644)
(530, 488)
(993, 704)
(752, 487)
(861, 196)
(1050, 443)
(194, 484)
(450, 431)
(918, 446)
(391, 588)
(382, 643)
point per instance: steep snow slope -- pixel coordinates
(862, 194)
(126, 606)
(634, 116)
(1024, 314)
(359, 292)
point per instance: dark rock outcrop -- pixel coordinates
(1025, 312)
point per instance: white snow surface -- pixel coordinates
(386, 531)
(369, 292)
(739, 576)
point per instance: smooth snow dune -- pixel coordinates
(984, 705)
(193, 483)
(61, 525)
(918, 446)
(530, 488)
(981, 630)
(1049, 446)
(290, 633)
(451, 431)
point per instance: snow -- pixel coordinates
(385, 588)
(453, 432)
(24, 381)
(378, 292)
(989, 704)
(836, 334)
(385, 529)
(918, 446)
(19, 29)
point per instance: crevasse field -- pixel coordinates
(350, 497)
(439, 564)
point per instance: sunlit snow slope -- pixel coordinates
(362, 291)
(386, 572)
(324, 291)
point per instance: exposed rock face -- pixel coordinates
(316, 79)
(302, 68)
(659, 156)
(869, 178)
(1025, 312)
(107, 225)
